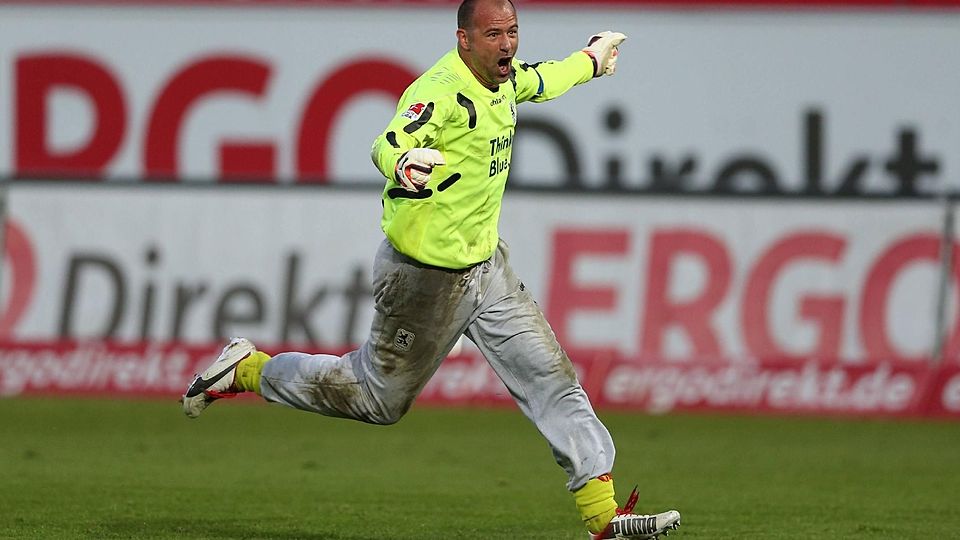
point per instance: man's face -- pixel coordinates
(489, 45)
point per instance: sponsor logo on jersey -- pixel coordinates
(414, 111)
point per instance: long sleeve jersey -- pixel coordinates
(452, 222)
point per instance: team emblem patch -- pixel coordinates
(414, 111)
(403, 340)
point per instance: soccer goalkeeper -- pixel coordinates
(443, 271)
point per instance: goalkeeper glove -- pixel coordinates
(602, 48)
(414, 167)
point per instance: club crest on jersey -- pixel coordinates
(414, 111)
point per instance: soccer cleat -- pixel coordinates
(636, 527)
(629, 526)
(216, 382)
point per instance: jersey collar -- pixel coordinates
(461, 68)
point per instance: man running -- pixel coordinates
(443, 271)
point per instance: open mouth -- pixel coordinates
(504, 65)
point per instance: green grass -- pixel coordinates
(139, 469)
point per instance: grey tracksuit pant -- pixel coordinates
(421, 311)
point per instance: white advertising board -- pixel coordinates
(737, 100)
(664, 278)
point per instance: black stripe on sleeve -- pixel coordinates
(400, 193)
(525, 67)
(452, 179)
(420, 122)
(465, 102)
(392, 139)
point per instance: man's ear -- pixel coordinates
(462, 39)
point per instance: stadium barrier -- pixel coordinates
(830, 307)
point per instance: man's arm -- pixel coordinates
(405, 151)
(544, 81)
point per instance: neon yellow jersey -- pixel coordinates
(452, 222)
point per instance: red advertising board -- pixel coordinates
(766, 387)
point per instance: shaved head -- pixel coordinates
(467, 8)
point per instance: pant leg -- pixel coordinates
(420, 312)
(514, 336)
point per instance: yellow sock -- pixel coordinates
(247, 378)
(596, 503)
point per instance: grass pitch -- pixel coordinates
(139, 469)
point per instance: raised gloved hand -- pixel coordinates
(414, 167)
(602, 48)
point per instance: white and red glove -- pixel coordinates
(414, 167)
(602, 48)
